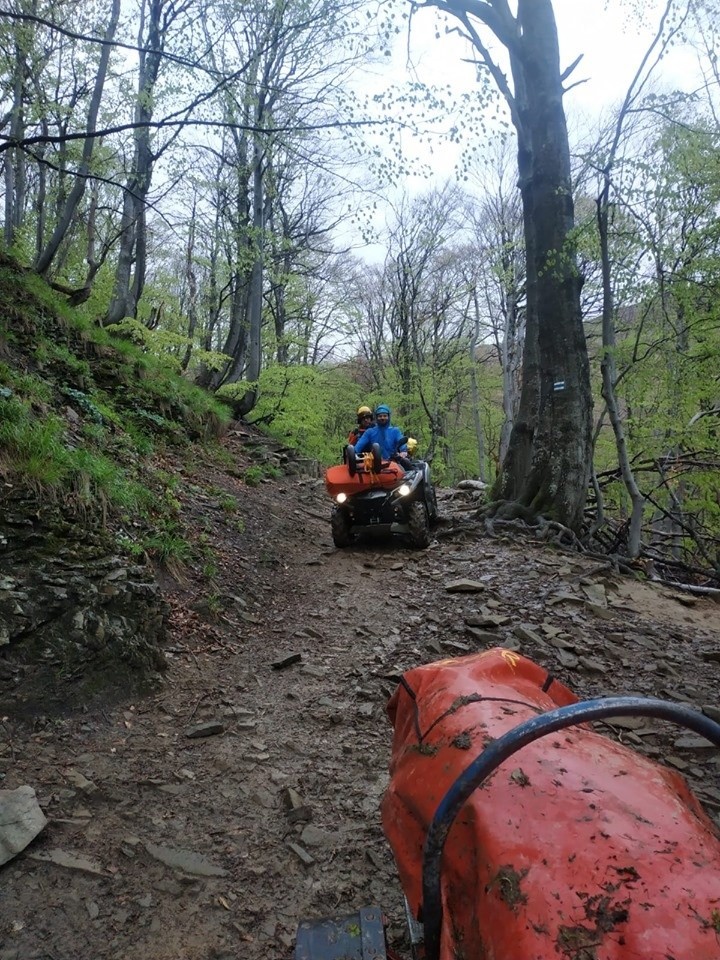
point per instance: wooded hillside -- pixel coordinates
(191, 182)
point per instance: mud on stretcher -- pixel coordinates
(520, 833)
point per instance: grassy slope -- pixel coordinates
(84, 415)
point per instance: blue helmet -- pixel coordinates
(382, 408)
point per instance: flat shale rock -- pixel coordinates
(464, 586)
(21, 820)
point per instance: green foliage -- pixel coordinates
(256, 473)
(81, 410)
(27, 385)
(166, 344)
(139, 499)
(85, 404)
(158, 424)
(37, 450)
(220, 455)
(94, 433)
(169, 546)
(313, 410)
(310, 408)
(94, 475)
(160, 343)
(31, 447)
(207, 555)
(68, 365)
(253, 475)
(170, 481)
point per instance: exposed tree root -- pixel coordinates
(509, 510)
(511, 518)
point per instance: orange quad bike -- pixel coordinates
(521, 833)
(376, 496)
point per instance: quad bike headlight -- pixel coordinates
(341, 497)
(403, 490)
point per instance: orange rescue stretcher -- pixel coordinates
(576, 849)
(338, 479)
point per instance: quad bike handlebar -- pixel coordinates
(354, 459)
(504, 747)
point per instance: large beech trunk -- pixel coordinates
(548, 464)
(556, 375)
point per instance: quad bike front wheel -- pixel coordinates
(419, 525)
(340, 524)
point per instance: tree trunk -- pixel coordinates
(235, 345)
(41, 198)
(280, 300)
(128, 288)
(14, 158)
(213, 296)
(204, 376)
(192, 292)
(548, 463)
(609, 377)
(474, 391)
(45, 258)
(254, 354)
(552, 434)
(515, 465)
(121, 305)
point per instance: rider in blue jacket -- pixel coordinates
(388, 437)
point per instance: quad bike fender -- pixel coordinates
(578, 847)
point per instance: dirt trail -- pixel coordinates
(182, 843)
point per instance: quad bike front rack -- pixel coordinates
(360, 936)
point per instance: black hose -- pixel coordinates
(503, 748)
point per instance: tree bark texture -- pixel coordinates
(128, 284)
(548, 463)
(14, 158)
(557, 482)
(46, 256)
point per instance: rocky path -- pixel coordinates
(205, 820)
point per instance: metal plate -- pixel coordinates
(359, 936)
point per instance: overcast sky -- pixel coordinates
(610, 37)
(613, 42)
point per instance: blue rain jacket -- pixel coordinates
(388, 437)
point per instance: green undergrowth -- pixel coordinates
(257, 472)
(85, 415)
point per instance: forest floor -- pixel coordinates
(164, 846)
